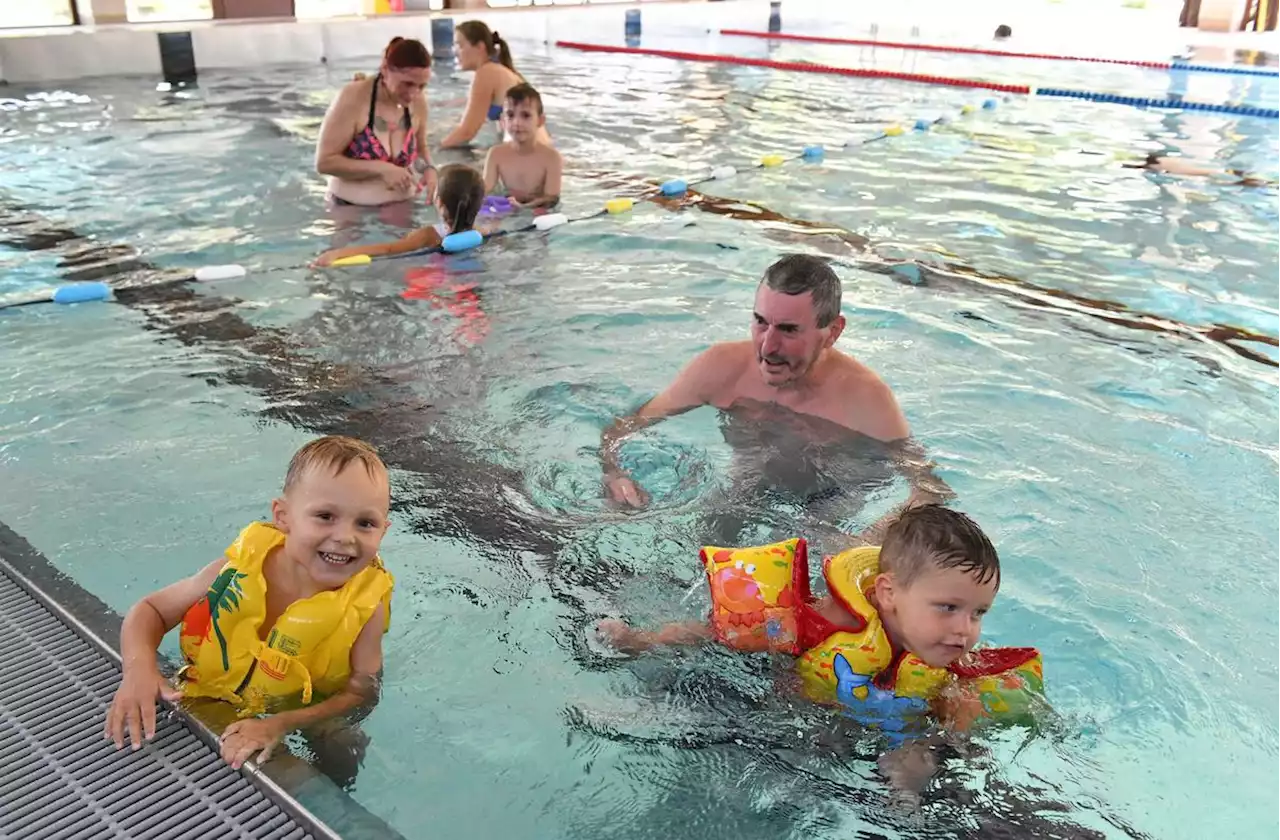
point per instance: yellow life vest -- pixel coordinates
(859, 669)
(309, 648)
(869, 664)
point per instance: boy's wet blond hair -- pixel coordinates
(333, 453)
(932, 536)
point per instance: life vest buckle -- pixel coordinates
(274, 663)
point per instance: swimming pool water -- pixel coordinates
(1056, 360)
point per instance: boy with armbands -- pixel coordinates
(292, 613)
(893, 640)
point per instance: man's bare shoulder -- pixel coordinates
(727, 353)
(852, 373)
(867, 403)
(722, 364)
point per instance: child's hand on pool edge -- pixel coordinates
(243, 738)
(133, 708)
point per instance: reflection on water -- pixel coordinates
(792, 475)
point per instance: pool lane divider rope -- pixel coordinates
(1025, 90)
(900, 45)
(86, 292)
(797, 66)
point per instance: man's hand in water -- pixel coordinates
(622, 489)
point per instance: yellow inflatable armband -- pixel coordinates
(996, 684)
(755, 594)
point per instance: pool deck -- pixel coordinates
(60, 778)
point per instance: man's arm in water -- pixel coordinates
(926, 487)
(883, 419)
(694, 386)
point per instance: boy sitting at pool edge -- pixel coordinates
(893, 637)
(459, 197)
(529, 170)
(294, 609)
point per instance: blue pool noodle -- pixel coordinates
(464, 241)
(81, 292)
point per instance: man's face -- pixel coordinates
(786, 335)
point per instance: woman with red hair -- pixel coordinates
(373, 142)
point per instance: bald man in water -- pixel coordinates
(790, 362)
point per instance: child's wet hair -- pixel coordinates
(333, 453)
(461, 194)
(932, 536)
(524, 92)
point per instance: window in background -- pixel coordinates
(327, 8)
(143, 11)
(15, 14)
(342, 8)
(507, 4)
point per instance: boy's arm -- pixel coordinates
(419, 239)
(909, 768)
(491, 170)
(133, 708)
(243, 738)
(1011, 696)
(630, 640)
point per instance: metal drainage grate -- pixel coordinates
(60, 779)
